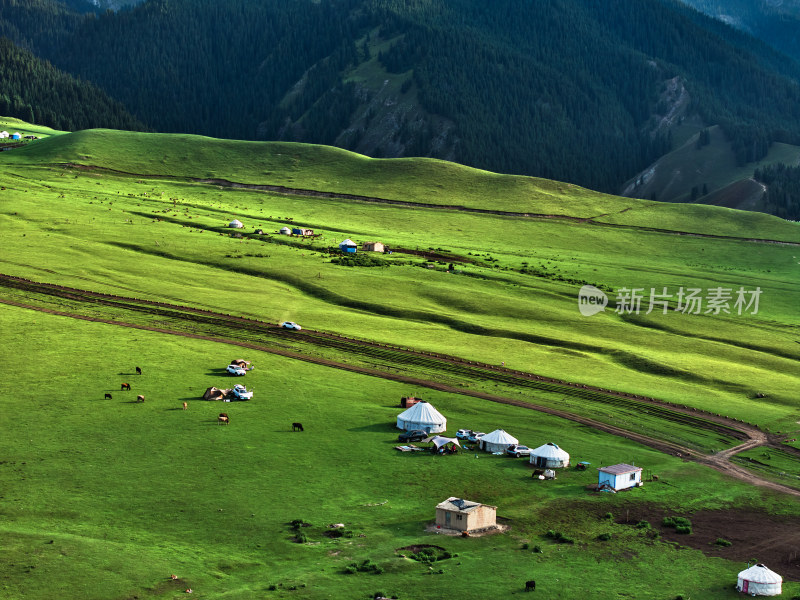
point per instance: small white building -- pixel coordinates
(497, 441)
(236, 224)
(620, 477)
(549, 456)
(4, 134)
(422, 416)
(286, 231)
(758, 580)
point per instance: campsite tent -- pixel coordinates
(236, 224)
(213, 393)
(348, 246)
(286, 231)
(16, 136)
(440, 440)
(422, 416)
(549, 456)
(758, 580)
(497, 441)
(3, 134)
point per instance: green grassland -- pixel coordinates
(129, 493)
(138, 224)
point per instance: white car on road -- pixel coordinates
(291, 325)
(236, 370)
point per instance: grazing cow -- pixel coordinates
(126, 386)
(140, 398)
(223, 418)
(185, 406)
(138, 371)
(530, 585)
(297, 427)
(108, 397)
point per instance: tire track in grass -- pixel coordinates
(719, 461)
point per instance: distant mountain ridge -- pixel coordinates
(578, 91)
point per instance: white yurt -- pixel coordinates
(497, 441)
(286, 231)
(758, 580)
(422, 416)
(549, 456)
(236, 223)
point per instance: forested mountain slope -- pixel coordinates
(35, 91)
(573, 91)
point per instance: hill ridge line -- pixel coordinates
(279, 189)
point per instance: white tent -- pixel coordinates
(236, 223)
(497, 441)
(549, 456)
(286, 231)
(422, 416)
(440, 440)
(758, 580)
(4, 134)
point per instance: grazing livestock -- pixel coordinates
(223, 418)
(185, 406)
(138, 371)
(140, 398)
(126, 386)
(297, 427)
(108, 397)
(530, 585)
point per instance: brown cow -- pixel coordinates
(126, 386)
(185, 405)
(140, 398)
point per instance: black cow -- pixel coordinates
(138, 370)
(530, 585)
(126, 386)
(108, 397)
(297, 427)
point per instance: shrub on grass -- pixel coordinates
(643, 525)
(608, 516)
(525, 546)
(300, 538)
(723, 542)
(684, 530)
(604, 537)
(537, 549)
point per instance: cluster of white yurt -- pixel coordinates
(422, 416)
(286, 231)
(497, 441)
(549, 456)
(236, 224)
(758, 580)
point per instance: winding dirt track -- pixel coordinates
(752, 436)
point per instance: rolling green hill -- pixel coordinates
(108, 497)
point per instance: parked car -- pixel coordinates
(415, 435)
(463, 434)
(475, 436)
(291, 325)
(236, 370)
(241, 393)
(517, 450)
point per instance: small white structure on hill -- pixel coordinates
(758, 580)
(465, 515)
(286, 231)
(619, 477)
(497, 441)
(422, 416)
(4, 134)
(236, 224)
(549, 456)
(348, 246)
